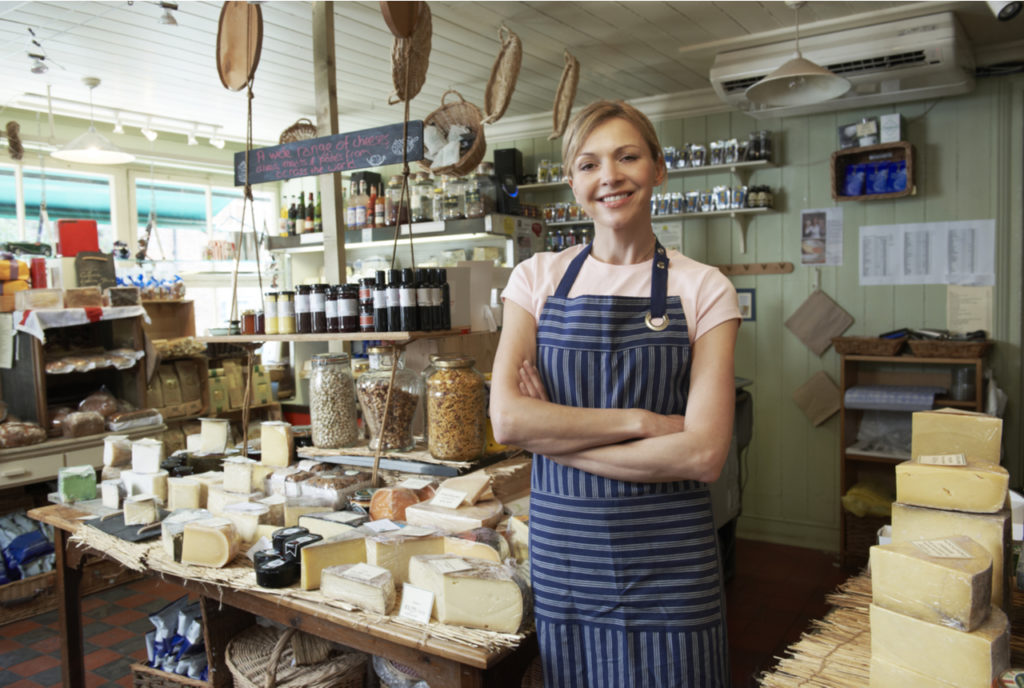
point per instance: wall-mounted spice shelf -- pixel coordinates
(883, 152)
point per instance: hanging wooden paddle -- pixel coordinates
(239, 40)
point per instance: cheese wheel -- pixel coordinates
(391, 503)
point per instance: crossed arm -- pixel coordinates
(659, 447)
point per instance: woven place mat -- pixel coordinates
(239, 575)
(420, 455)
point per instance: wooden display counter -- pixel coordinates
(440, 660)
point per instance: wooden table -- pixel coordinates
(441, 662)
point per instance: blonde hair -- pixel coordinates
(595, 114)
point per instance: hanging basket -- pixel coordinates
(261, 657)
(410, 58)
(565, 96)
(504, 74)
(302, 130)
(464, 114)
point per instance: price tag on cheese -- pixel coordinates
(450, 565)
(364, 572)
(382, 525)
(942, 548)
(448, 498)
(417, 603)
(417, 531)
(943, 459)
(415, 483)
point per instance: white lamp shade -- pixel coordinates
(93, 148)
(797, 82)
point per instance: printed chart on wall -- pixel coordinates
(821, 236)
(961, 252)
(670, 234)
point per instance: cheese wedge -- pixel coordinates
(276, 505)
(172, 529)
(331, 523)
(476, 486)
(210, 542)
(76, 483)
(206, 481)
(362, 585)
(147, 455)
(965, 660)
(146, 483)
(347, 548)
(183, 493)
(276, 443)
(885, 674)
(293, 510)
(951, 431)
(991, 531)
(117, 450)
(393, 550)
(112, 494)
(471, 592)
(238, 475)
(946, 581)
(217, 498)
(247, 516)
(977, 486)
(214, 434)
(140, 510)
(479, 543)
(484, 514)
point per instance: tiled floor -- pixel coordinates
(776, 591)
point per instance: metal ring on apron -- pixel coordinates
(656, 326)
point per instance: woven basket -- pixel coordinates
(504, 74)
(147, 677)
(261, 657)
(927, 348)
(868, 346)
(410, 58)
(468, 115)
(564, 97)
(302, 130)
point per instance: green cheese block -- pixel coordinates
(76, 483)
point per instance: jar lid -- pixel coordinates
(455, 362)
(380, 349)
(331, 357)
(303, 288)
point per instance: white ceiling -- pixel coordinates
(628, 50)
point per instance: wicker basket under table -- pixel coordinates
(147, 677)
(261, 657)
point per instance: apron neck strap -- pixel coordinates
(659, 277)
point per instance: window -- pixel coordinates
(69, 195)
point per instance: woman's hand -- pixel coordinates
(530, 384)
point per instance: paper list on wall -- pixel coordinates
(961, 252)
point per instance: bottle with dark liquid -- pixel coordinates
(407, 298)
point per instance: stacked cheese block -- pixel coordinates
(940, 591)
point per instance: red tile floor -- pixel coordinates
(773, 596)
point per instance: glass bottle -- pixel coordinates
(437, 199)
(286, 312)
(456, 413)
(310, 222)
(270, 309)
(303, 321)
(474, 203)
(394, 198)
(318, 308)
(366, 317)
(424, 300)
(454, 198)
(332, 401)
(394, 301)
(300, 215)
(380, 303)
(348, 308)
(318, 220)
(422, 198)
(249, 321)
(486, 186)
(394, 431)
(407, 302)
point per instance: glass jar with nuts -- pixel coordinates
(332, 402)
(456, 410)
(394, 431)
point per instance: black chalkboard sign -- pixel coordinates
(95, 269)
(355, 150)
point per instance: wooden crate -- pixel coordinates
(37, 595)
(170, 319)
(887, 152)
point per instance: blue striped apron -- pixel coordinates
(626, 576)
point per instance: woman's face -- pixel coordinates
(614, 175)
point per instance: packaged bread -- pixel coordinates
(55, 420)
(82, 423)
(391, 503)
(83, 297)
(101, 401)
(32, 299)
(14, 434)
(122, 296)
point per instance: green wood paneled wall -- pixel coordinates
(969, 166)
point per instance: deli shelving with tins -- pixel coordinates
(856, 533)
(741, 216)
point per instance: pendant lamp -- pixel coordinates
(798, 81)
(92, 147)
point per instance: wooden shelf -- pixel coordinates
(329, 337)
(732, 212)
(742, 169)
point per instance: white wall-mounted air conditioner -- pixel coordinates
(910, 59)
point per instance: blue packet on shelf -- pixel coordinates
(877, 179)
(853, 184)
(897, 176)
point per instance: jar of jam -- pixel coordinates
(318, 308)
(366, 323)
(333, 322)
(286, 312)
(366, 287)
(261, 323)
(348, 307)
(303, 319)
(249, 322)
(270, 312)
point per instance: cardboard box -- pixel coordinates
(155, 393)
(218, 394)
(188, 376)
(170, 386)
(952, 431)
(234, 382)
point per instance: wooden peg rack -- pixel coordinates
(755, 268)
